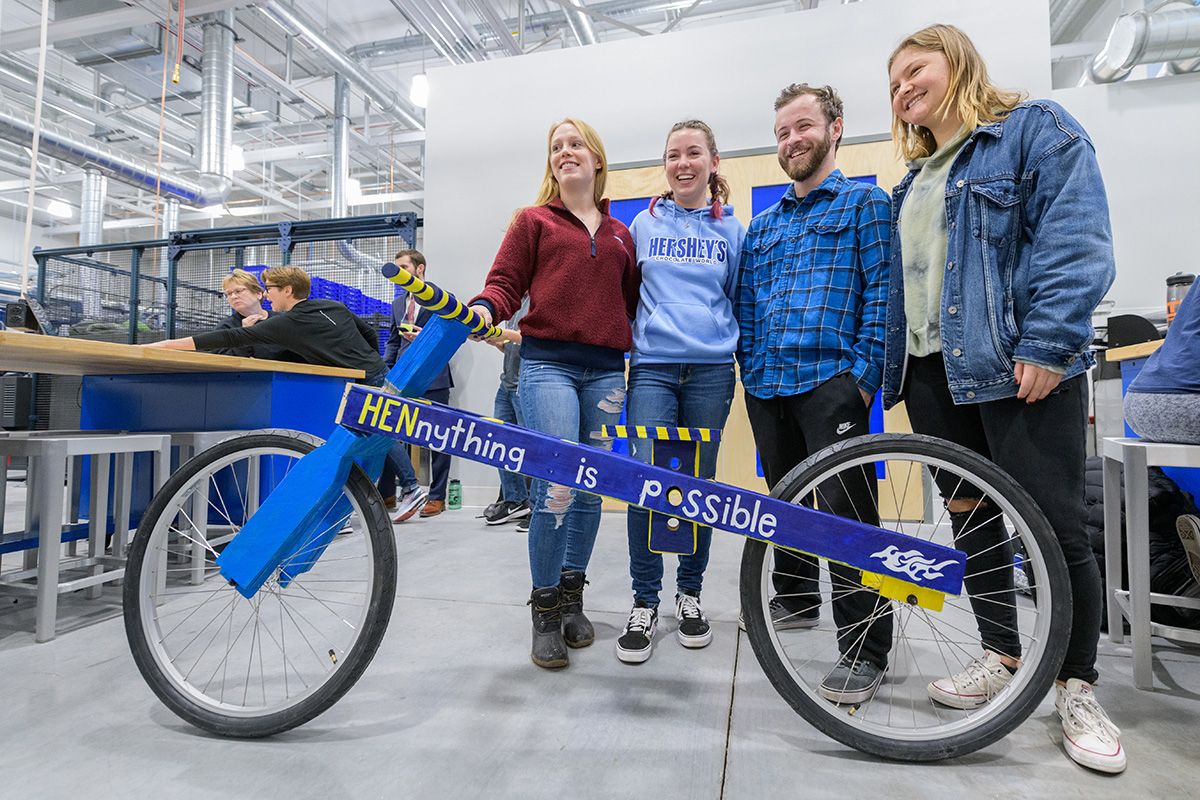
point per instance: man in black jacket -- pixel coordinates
(322, 332)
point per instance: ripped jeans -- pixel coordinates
(573, 403)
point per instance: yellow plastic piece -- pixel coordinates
(905, 592)
(175, 75)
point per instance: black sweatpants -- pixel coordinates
(787, 430)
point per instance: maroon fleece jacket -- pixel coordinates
(583, 290)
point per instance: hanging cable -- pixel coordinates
(37, 137)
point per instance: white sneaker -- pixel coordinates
(1188, 528)
(408, 504)
(982, 680)
(1089, 735)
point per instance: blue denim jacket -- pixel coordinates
(1029, 256)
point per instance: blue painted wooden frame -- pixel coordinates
(489, 441)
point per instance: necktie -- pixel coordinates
(411, 315)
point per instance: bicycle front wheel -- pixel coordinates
(1027, 600)
(255, 667)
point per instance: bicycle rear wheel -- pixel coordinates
(901, 721)
(255, 667)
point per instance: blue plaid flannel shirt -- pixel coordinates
(813, 289)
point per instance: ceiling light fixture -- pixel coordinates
(59, 210)
(419, 94)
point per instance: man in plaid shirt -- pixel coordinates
(810, 305)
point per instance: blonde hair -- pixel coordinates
(241, 278)
(974, 98)
(549, 190)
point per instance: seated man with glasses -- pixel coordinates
(245, 297)
(322, 332)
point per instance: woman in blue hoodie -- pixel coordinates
(681, 367)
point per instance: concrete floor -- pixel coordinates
(452, 707)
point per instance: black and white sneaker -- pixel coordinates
(505, 511)
(636, 641)
(694, 630)
(851, 681)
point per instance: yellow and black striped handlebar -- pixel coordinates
(440, 302)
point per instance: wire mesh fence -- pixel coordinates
(143, 292)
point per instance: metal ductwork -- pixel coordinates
(81, 150)
(580, 24)
(170, 217)
(341, 148)
(215, 133)
(1167, 33)
(455, 41)
(1097, 70)
(340, 206)
(91, 207)
(387, 100)
(216, 101)
(19, 77)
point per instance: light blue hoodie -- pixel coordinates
(689, 263)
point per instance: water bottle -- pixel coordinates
(1177, 288)
(454, 495)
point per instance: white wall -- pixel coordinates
(1146, 143)
(487, 123)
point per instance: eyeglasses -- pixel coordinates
(237, 292)
(271, 286)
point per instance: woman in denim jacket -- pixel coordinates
(1001, 249)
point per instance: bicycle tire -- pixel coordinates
(900, 721)
(249, 668)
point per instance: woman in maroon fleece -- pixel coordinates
(578, 267)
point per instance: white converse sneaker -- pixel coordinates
(1088, 734)
(978, 683)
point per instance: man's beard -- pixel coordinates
(804, 169)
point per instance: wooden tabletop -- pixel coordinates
(1131, 351)
(61, 355)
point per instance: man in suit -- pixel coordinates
(407, 320)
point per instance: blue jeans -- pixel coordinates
(674, 396)
(513, 488)
(397, 465)
(573, 403)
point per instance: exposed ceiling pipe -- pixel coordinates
(581, 24)
(451, 43)
(339, 180)
(76, 148)
(215, 133)
(216, 102)
(454, 19)
(387, 100)
(91, 207)
(170, 217)
(501, 31)
(19, 77)
(1065, 13)
(1096, 70)
(341, 147)
(1166, 34)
